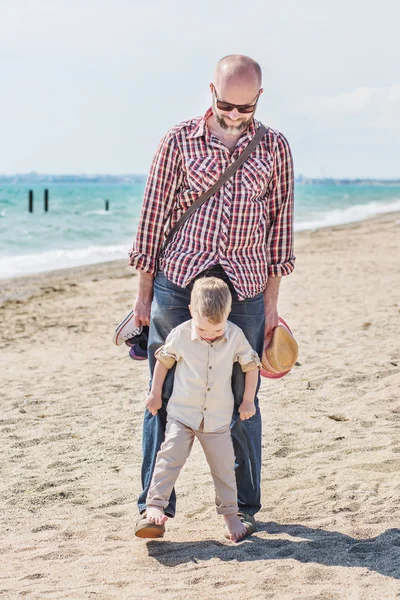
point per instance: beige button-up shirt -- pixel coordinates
(202, 384)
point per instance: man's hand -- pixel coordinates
(271, 293)
(142, 305)
(247, 409)
(141, 310)
(271, 321)
(153, 403)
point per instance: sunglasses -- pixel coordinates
(242, 108)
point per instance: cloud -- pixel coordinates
(372, 107)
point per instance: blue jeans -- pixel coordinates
(169, 309)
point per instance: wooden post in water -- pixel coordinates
(46, 200)
(107, 204)
(30, 202)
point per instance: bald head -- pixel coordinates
(237, 68)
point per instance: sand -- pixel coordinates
(71, 414)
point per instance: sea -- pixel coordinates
(78, 230)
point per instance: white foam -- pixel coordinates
(13, 266)
(101, 212)
(350, 214)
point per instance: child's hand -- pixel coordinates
(153, 403)
(247, 409)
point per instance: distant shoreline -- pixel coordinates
(37, 178)
(345, 181)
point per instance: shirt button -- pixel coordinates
(211, 345)
(210, 367)
(205, 408)
(208, 389)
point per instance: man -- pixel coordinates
(243, 234)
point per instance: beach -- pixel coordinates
(72, 409)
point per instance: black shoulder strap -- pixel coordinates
(231, 170)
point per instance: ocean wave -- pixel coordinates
(39, 262)
(28, 264)
(350, 214)
(101, 212)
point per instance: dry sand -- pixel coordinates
(72, 407)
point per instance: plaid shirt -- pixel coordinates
(246, 227)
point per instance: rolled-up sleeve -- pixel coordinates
(168, 354)
(280, 254)
(246, 356)
(162, 182)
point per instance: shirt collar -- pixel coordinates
(194, 335)
(201, 129)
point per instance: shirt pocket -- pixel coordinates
(202, 173)
(256, 175)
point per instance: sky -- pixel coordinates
(91, 86)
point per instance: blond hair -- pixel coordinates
(211, 299)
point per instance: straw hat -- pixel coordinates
(281, 353)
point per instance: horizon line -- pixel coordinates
(298, 178)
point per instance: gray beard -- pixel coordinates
(229, 129)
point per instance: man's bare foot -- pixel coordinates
(236, 529)
(155, 514)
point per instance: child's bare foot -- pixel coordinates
(236, 529)
(155, 514)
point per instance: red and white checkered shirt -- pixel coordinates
(246, 227)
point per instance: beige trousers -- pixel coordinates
(218, 449)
